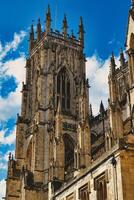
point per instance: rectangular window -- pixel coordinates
(100, 184)
(84, 192)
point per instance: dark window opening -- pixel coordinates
(58, 85)
(69, 156)
(101, 187)
(84, 193)
(63, 90)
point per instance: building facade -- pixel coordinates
(63, 151)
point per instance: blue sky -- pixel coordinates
(104, 20)
(105, 25)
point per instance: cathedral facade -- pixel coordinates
(63, 151)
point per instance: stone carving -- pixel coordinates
(69, 127)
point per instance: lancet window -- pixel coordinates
(63, 90)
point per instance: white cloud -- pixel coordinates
(10, 139)
(97, 72)
(16, 68)
(13, 45)
(2, 188)
(0, 46)
(3, 166)
(10, 106)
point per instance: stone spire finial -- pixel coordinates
(90, 111)
(9, 156)
(38, 30)
(48, 19)
(112, 64)
(32, 31)
(102, 109)
(81, 32)
(65, 26)
(31, 39)
(81, 22)
(122, 58)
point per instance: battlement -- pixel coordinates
(63, 36)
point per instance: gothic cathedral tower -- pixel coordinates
(53, 136)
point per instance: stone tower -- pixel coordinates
(53, 136)
(63, 151)
(121, 88)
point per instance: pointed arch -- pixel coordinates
(69, 146)
(29, 156)
(63, 89)
(29, 152)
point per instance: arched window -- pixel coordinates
(63, 90)
(29, 156)
(68, 156)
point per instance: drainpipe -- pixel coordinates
(114, 163)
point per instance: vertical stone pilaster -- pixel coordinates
(39, 154)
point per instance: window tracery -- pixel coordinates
(63, 90)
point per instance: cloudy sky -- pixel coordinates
(105, 27)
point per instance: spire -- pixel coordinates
(32, 32)
(122, 58)
(38, 30)
(102, 110)
(31, 40)
(65, 26)
(9, 157)
(112, 64)
(90, 111)
(48, 19)
(81, 32)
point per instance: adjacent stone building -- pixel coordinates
(63, 151)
